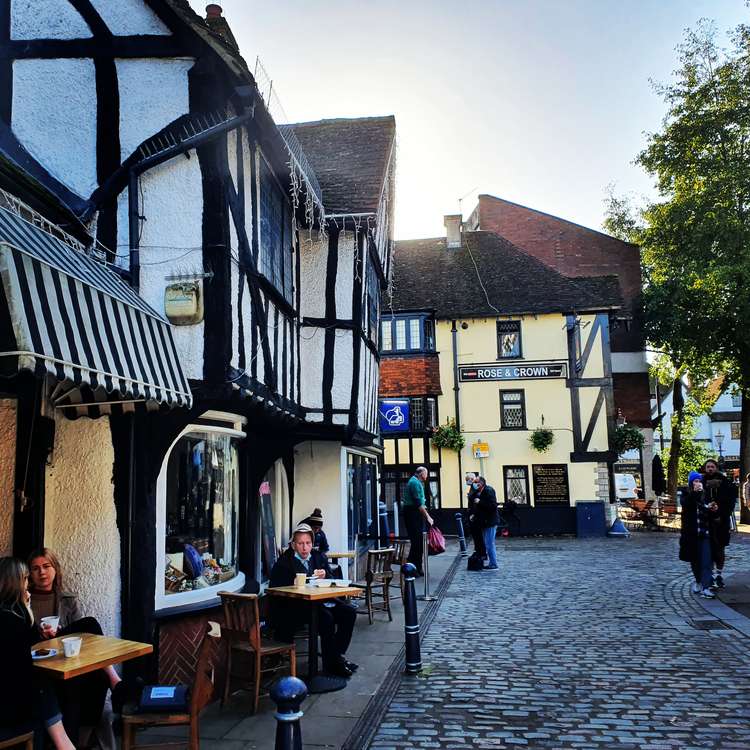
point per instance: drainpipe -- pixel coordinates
(456, 389)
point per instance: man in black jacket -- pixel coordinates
(485, 511)
(719, 489)
(335, 618)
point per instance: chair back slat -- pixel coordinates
(379, 560)
(241, 616)
(202, 692)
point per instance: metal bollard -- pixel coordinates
(288, 694)
(426, 568)
(411, 621)
(461, 537)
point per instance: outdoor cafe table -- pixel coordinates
(316, 683)
(350, 555)
(97, 652)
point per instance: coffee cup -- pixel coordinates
(72, 645)
(52, 621)
(299, 580)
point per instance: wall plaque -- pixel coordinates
(550, 484)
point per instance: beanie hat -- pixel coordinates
(694, 475)
(315, 517)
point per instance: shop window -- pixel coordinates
(275, 234)
(509, 339)
(512, 410)
(201, 509)
(734, 430)
(516, 481)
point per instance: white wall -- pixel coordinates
(126, 17)
(80, 520)
(7, 473)
(46, 19)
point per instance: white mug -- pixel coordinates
(52, 621)
(72, 646)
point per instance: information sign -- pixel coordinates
(527, 371)
(550, 484)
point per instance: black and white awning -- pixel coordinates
(79, 323)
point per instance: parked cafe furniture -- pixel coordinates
(378, 576)
(97, 652)
(201, 694)
(22, 740)
(241, 632)
(313, 595)
(401, 549)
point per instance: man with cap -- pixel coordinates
(315, 521)
(335, 619)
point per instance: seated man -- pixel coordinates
(335, 618)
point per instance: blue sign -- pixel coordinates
(394, 415)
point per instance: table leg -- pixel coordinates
(318, 683)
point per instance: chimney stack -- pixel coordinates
(453, 230)
(218, 24)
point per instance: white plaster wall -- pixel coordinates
(345, 275)
(129, 17)
(80, 520)
(313, 261)
(171, 240)
(46, 19)
(312, 354)
(7, 473)
(61, 94)
(342, 371)
(152, 94)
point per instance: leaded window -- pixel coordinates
(408, 333)
(275, 234)
(415, 324)
(417, 414)
(508, 339)
(430, 418)
(400, 334)
(516, 480)
(429, 335)
(512, 410)
(386, 338)
(735, 428)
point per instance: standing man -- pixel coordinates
(486, 512)
(477, 533)
(416, 515)
(720, 490)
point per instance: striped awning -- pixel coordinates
(80, 324)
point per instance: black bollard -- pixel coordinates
(461, 537)
(411, 621)
(288, 694)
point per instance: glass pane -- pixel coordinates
(386, 343)
(431, 415)
(735, 428)
(201, 511)
(511, 396)
(417, 414)
(515, 485)
(512, 415)
(509, 339)
(429, 335)
(414, 330)
(400, 334)
(271, 228)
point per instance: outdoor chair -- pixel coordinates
(241, 632)
(401, 549)
(201, 694)
(378, 576)
(27, 740)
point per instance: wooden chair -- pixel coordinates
(241, 632)
(201, 694)
(27, 740)
(378, 578)
(401, 549)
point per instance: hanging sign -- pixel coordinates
(394, 415)
(480, 450)
(528, 371)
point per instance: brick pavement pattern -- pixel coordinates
(577, 644)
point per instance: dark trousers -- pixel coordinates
(82, 698)
(335, 627)
(414, 526)
(477, 534)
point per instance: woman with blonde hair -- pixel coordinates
(25, 703)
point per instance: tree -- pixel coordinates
(695, 237)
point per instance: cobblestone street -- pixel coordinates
(577, 644)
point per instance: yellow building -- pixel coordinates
(480, 333)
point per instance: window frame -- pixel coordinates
(500, 355)
(732, 430)
(736, 400)
(426, 343)
(525, 468)
(522, 392)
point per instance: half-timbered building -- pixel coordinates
(265, 245)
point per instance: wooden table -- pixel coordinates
(97, 652)
(316, 683)
(350, 555)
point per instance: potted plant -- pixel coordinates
(541, 439)
(448, 436)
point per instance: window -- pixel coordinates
(512, 410)
(417, 414)
(201, 511)
(429, 335)
(734, 430)
(415, 326)
(516, 481)
(431, 413)
(736, 399)
(408, 333)
(508, 339)
(577, 346)
(373, 297)
(275, 234)
(400, 334)
(386, 340)
(423, 411)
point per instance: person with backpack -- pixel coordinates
(485, 511)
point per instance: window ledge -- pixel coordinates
(192, 601)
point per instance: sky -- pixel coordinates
(541, 102)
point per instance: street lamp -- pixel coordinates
(719, 442)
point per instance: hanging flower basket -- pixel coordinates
(627, 437)
(541, 439)
(448, 436)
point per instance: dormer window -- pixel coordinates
(407, 333)
(509, 339)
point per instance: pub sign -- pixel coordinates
(394, 415)
(526, 371)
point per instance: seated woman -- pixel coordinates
(26, 703)
(82, 698)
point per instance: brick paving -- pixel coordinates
(577, 644)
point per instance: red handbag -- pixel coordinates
(435, 541)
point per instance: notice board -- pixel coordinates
(550, 484)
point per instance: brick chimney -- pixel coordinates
(218, 24)
(453, 230)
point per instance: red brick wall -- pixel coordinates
(409, 376)
(632, 396)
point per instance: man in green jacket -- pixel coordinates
(416, 515)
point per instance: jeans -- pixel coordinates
(702, 565)
(489, 543)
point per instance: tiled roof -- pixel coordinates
(350, 158)
(428, 275)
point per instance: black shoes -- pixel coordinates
(351, 666)
(719, 581)
(339, 669)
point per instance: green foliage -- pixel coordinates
(692, 455)
(541, 439)
(448, 436)
(627, 437)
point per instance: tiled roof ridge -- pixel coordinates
(342, 120)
